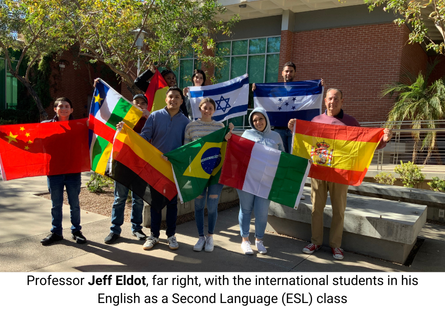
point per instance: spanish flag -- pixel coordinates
(198, 164)
(156, 92)
(137, 164)
(340, 154)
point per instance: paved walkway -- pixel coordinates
(26, 220)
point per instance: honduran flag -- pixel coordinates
(231, 98)
(285, 101)
(340, 154)
(264, 171)
(138, 165)
(108, 108)
(156, 92)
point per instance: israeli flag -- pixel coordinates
(231, 98)
(285, 101)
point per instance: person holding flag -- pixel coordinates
(260, 133)
(165, 129)
(333, 115)
(198, 79)
(143, 82)
(56, 183)
(194, 131)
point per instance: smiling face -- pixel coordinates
(63, 110)
(288, 73)
(170, 79)
(173, 101)
(207, 110)
(333, 102)
(259, 121)
(198, 80)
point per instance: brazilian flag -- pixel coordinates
(198, 164)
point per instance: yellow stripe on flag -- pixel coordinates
(104, 157)
(132, 117)
(339, 154)
(146, 151)
(159, 100)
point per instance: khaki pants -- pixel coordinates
(319, 195)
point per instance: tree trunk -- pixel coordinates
(35, 96)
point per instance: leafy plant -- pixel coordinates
(438, 185)
(98, 182)
(385, 178)
(410, 174)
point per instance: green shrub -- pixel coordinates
(98, 182)
(437, 185)
(410, 174)
(385, 178)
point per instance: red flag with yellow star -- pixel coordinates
(28, 150)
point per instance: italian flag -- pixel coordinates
(264, 171)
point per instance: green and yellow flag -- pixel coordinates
(198, 164)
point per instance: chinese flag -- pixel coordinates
(28, 150)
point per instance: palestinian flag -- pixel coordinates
(38, 149)
(340, 154)
(138, 165)
(264, 171)
(108, 108)
(156, 92)
(198, 164)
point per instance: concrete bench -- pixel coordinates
(376, 227)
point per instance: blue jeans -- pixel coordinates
(56, 183)
(158, 202)
(286, 137)
(212, 208)
(117, 212)
(260, 206)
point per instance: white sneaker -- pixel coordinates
(245, 246)
(172, 243)
(150, 242)
(200, 244)
(209, 244)
(260, 247)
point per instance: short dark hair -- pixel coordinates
(291, 65)
(199, 71)
(175, 88)
(165, 72)
(62, 99)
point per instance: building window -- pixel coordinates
(8, 87)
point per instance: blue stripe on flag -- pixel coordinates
(232, 111)
(102, 90)
(279, 119)
(295, 88)
(219, 90)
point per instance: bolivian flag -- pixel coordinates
(156, 92)
(340, 154)
(108, 108)
(198, 164)
(137, 164)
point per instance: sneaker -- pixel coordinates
(150, 242)
(309, 249)
(337, 253)
(260, 247)
(78, 237)
(245, 246)
(209, 244)
(140, 235)
(51, 238)
(111, 238)
(200, 244)
(172, 243)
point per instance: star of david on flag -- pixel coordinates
(231, 98)
(284, 101)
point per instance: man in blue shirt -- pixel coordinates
(165, 130)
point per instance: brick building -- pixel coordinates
(349, 47)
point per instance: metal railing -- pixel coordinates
(403, 144)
